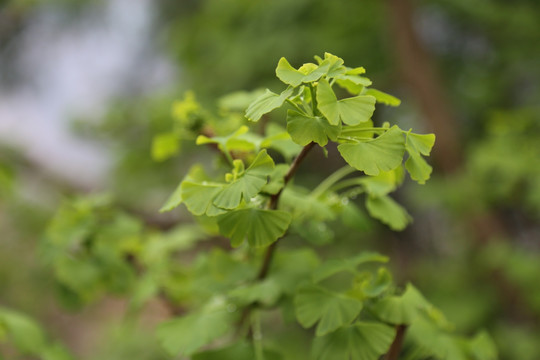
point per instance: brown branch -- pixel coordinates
(395, 348)
(272, 204)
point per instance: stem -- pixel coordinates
(331, 180)
(395, 348)
(272, 204)
(314, 104)
(294, 105)
(257, 335)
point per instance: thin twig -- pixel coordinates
(272, 204)
(395, 348)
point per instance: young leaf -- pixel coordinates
(360, 341)
(351, 111)
(382, 97)
(266, 103)
(417, 167)
(332, 267)
(183, 336)
(383, 153)
(305, 129)
(421, 143)
(260, 227)
(401, 309)
(388, 212)
(173, 201)
(247, 185)
(198, 197)
(331, 310)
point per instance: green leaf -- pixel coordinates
(401, 309)
(370, 286)
(384, 183)
(25, 333)
(360, 341)
(260, 227)
(421, 143)
(418, 168)
(185, 335)
(351, 111)
(265, 292)
(305, 129)
(331, 66)
(280, 140)
(247, 185)
(382, 97)
(331, 310)
(226, 143)
(173, 201)
(482, 347)
(277, 179)
(289, 75)
(383, 153)
(198, 197)
(266, 103)
(388, 212)
(165, 146)
(334, 266)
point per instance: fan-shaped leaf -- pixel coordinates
(401, 309)
(260, 227)
(305, 129)
(185, 335)
(383, 153)
(331, 310)
(266, 103)
(360, 341)
(389, 212)
(351, 111)
(247, 185)
(332, 267)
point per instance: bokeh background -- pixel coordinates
(86, 85)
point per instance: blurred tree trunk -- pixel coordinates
(419, 72)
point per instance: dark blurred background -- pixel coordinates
(86, 85)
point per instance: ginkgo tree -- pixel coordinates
(254, 203)
(246, 279)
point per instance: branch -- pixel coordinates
(272, 204)
(395, 348)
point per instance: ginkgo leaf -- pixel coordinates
(331, 66)
(173, 201)
(351, 111)
(183, 336)
(331, 310)
(383, 97)
(483, 347)
(247, 185)
(335, 266)
(266, 103)
(290, 76)
(222, 141)
(265, 292)
(383, 153)
(389, 212)
(421, 142)
(260, 227)
(305, 129)
(401, 309)
(360, 341)
(198, 197)
(418, 168)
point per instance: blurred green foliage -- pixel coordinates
(490, 68)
